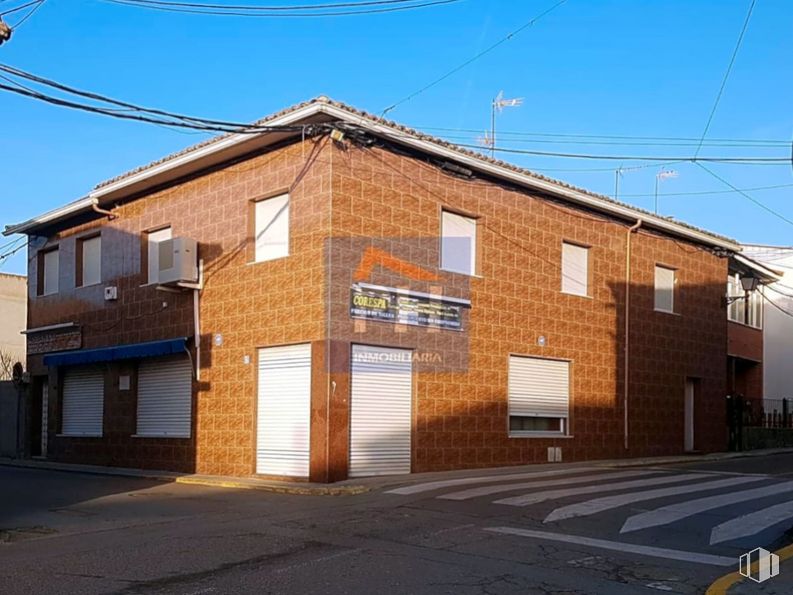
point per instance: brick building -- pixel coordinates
(368, 300)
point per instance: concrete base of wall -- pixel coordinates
(755, 438)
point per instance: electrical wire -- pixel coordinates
(247, 13)
(258, 7)
(484, 52)
(523, 133)
(726, 76)
(773, 303)
(18, 8)
(28, 15)
(705, 192)
(745, 195)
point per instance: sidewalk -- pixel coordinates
(362, 485)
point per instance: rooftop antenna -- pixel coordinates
(497, 105)
(664, 174)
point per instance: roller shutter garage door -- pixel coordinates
(165, 397)
(83, 401)
(284, 411)
(380, 411)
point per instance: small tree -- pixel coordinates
(7, 361)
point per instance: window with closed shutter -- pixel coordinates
(575, 269)
(539, 395)
(153, 239)
(165, 396)
(49, 278)
(91, 254)
(664, 289)
(83, 402)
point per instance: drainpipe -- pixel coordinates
(97, 209)
(626, 389)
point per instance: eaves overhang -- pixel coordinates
(231, 146)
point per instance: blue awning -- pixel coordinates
(117, 352)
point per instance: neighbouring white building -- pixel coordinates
(13, 320)
(778, 317)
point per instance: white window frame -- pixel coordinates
(50, 261)
(736, 309)
(547, 403)
(664, 270)
(575, 282)
(153, 239)
(271, 228)
(91, 243)
(450, 244)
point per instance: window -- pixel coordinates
(575, 269)
(271, 228)
(665, 282)
(539, 395)
(83, 402)
(165, 394)
(153, 239)
(89, 261)
(458, 243)
(48, 272)
(737, 308)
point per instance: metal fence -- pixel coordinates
(768, 413)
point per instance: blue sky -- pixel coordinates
(599, 67)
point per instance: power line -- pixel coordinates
(487, 50)
(259, 7)
(249, 13)
(726, 76)
(783, 142)
(21, 7)
(745, 195)
(28, 15)
(679, 158)
(758, 188)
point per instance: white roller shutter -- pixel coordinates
(664, 289)
(83, 402)
(165, 396)
(458, 243)
(538, 387)
(575, 269)
(380, 416)
(284, 413)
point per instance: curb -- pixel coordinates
(695, 458)
(197, 480)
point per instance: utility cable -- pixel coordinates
(484, 52)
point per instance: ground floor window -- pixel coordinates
(539, 396)
(165, 395)
(83, 401)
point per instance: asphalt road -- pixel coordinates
(540, 530)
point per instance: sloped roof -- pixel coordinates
(338, 111)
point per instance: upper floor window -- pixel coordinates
(458, 243)
(153, 239)
(741, 309)
(89, 261)
(575, 269)
(48, 271)
(665, 281)
(271, 228)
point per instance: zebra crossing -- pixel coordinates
(635, 501)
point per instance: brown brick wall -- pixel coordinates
(342, 200)
(251, 305)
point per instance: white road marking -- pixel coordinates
(534, 497)
(675, 512)
(609, 502)
(752, 523)
(617, 546)
(435, 485)
(511, 487)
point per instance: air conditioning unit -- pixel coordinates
(178, 261)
